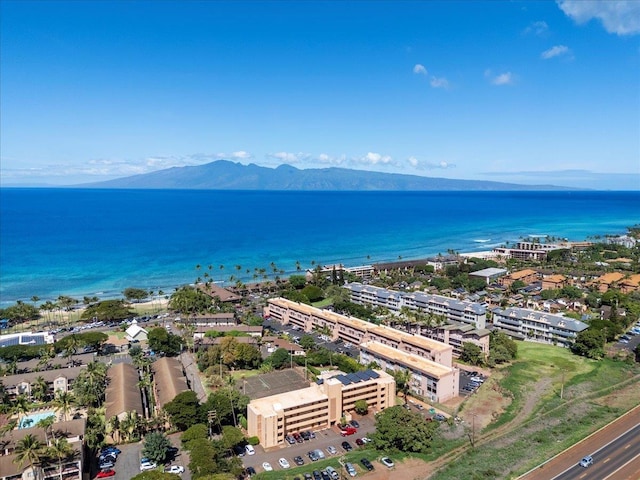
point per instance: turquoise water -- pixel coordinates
(99, 242)
(32, 419)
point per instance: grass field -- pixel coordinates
(537, 423)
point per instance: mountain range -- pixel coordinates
(227, 175)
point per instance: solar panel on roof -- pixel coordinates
(374, 374)
(343, 379)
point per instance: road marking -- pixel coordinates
(583, 475)
(612, 474)
(608, 458)
(627, 446)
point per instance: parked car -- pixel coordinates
(175, 469)
(351, 470)
(305, 435)
(144, 466)
(348, 431)
(325, 475)
(319, 453)
(106, 464)
(298, 437)
(291, 440)
(112, 450)
(359, 442)
(366, 463)
(332, 450)
(439, 417)
(347, 446)
(317, 475)
(312, 456)
(387, 462)
(250, 471)
(298, 460)
(267, 467)
(354, 424)
(284, 463)
(586, 461)
(106, 473)
(249, 449)
(239, 450)
(333, 473)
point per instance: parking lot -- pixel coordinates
(295, 333)
(324, 439)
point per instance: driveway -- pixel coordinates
(128, 463)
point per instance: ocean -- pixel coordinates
(90, 242)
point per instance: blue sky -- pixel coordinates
(523, 92)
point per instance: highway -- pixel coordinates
(610, 460)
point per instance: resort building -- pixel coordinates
(554, 282)
(631, 284)
(318, 406)
(218, 293)
(122, 394)
(168, 380)
(527, 276)
(607, 281)
(527, 250)
(429, 379)
(537, 326)
(210, 319)
(250, 330)
(57, 380)
(70, 467)
(365, 272)
(448, 308)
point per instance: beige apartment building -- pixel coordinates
(429, 379)
(318, 406)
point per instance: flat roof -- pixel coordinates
(273, 383)
(409, 360)
(282, 401)
(410, 338)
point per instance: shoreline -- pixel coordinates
(163, 300)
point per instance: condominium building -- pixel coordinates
(527, 250)
(57, 380)
(168, 380)
(526, 276)
(429, 379)
(450, 309)
(122, 394)
(456, 335)
(318, 406)
(537, 326)
(354, 330)
(69, 468)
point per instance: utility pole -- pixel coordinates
(212, 416)
(562, 385)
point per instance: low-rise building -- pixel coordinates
(489, 275)
(554, 282)
(527, 250)
(135, 333)
(318, 406)
(607, 281)
(456, 335)
(26, 338)
(57, 380)
(122, 394)
(168, 380)
(526, 276)
(69, 468)
(630, 284)
(537, 326)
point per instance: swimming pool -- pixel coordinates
(32, 419)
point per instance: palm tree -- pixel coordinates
(46, 423)
(21, 406)
(29, 450)
(35, 299)
(130, 425)
(60, 449)
(39, 389)
(114, 428)
(64, 402)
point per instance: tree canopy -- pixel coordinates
(183, 410)
(398, 429)
(108, 310)
(589, 343)
(135, 294)
(156, 445)
(161, 341)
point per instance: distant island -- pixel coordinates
(226, 175)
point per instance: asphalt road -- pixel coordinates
(609, 459)
(615, 450)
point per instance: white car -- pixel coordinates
(144, 466)
(332, 450)
(387, 462)
(249, 449)
(284, 463)
(267, 467)
(175, 469)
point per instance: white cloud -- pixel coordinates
(419, 69)
(424, 165)
(539, 28)
(506, 78)
(440, 82)
(372, 158)
(621, 17)
(288, 157)
(556, 51)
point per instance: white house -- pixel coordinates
(136, 332)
